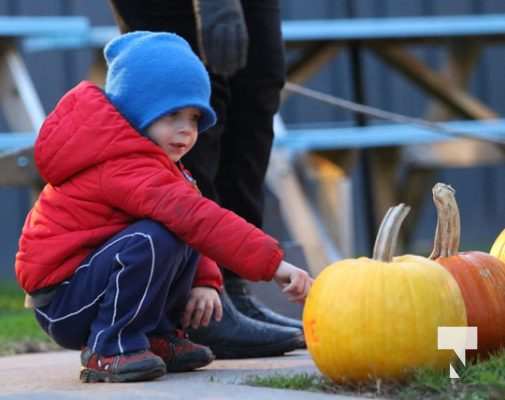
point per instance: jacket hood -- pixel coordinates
(85, 129)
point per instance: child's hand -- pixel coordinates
(295, 282)
(203, 303)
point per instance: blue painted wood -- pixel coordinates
(95, 38)
(102, 34)
(383, 135)
(341, 138)
(395, 28)
(308, 30)
(11, 141)
(39, 26)
(305, 30)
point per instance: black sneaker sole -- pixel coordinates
(90, 375)
(223, 351)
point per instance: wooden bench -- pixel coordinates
(385, 148)
(20, 102)
(386, 135)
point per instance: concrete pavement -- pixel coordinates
(48, 376)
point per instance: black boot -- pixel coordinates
(248, 305)
(238, 336)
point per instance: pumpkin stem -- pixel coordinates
(387, 237)
(447, 234)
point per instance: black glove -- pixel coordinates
(222, 35)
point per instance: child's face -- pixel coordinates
(176, 133)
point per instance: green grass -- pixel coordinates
(19, 331)
(479, 381)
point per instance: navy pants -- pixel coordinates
(134, 286)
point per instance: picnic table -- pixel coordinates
(20, 102)
(388, 147)
(316, 43)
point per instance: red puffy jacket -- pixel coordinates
(103, 175)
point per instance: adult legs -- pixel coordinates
(205, 159)
(247, 138)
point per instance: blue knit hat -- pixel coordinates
(151, 74)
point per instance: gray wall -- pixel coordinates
(480, 190)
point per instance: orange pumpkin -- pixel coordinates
(481, 277)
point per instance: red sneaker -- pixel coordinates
(179, 353)
(139, 366)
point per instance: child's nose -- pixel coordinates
(188, 127)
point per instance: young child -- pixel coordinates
(120, 234)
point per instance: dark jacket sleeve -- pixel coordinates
(145, 188)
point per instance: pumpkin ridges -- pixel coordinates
(430, 313)
(486, 309)
(389, 360)
(392, 279)
(378, 318)
(467, 283)
(325, 325)
(414, 305)
(362, 352)
(315, 326)
(356, 352)
(495, 284)
(373, 312)
(345, 333)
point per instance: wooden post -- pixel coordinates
(433, 83)
(333, 189)
(461, 61)
(309, 64)
(18, 168)
(24, 113)
(384, 163)
(296, 211)
(422, 161)
(19, 100)
(98, 69)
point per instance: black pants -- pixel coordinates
(229, 161)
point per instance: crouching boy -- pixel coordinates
(120, 250)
